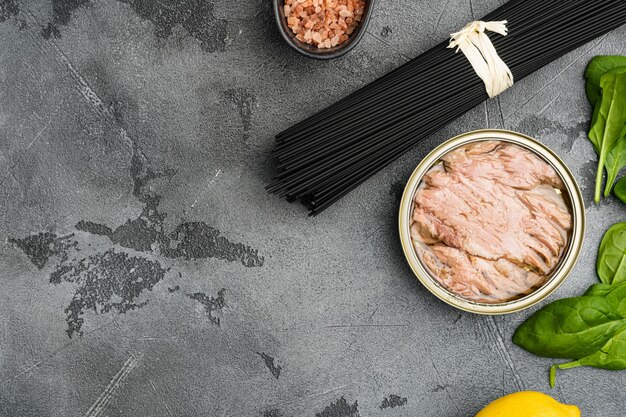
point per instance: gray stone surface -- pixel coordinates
(145, 271)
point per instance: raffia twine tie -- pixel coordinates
(482, 55)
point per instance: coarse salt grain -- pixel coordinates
(323, 23)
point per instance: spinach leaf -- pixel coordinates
(595, 69)
(592, 133)
(590, 329)
(615, 296)
(611, 356)
(599, 289)
(615, 161)
(620, 189)
(610, 120)
(611, 263)
(570, 327)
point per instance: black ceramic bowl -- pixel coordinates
(313, 51)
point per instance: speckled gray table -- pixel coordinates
(145, 272)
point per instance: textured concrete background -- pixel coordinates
(145, 271)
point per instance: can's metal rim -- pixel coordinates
(570, 256)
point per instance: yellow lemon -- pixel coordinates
(528, 404)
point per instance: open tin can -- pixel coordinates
(571, 194)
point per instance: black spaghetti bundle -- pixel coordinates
(326, 156)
